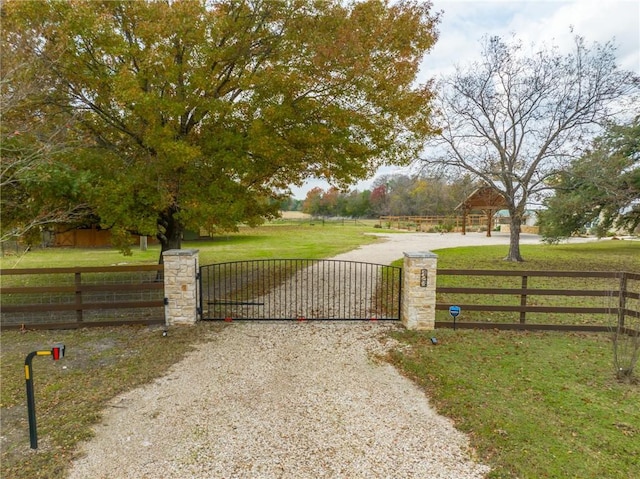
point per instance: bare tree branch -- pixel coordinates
(514, 120)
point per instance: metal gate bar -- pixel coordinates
(300, 289)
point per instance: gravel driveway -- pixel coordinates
(286, 400)
(279, 400)
(395, 244)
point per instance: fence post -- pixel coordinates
(622, 301)
(78, 296)
(418, 310)
(523, 299)
(181, 286)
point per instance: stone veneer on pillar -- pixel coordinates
(180, 286)
(418, 309)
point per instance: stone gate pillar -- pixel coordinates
(180, 286)
(418, 309)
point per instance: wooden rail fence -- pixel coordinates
(421, 222)
(110, 290)
(624, 303)
(86, 292)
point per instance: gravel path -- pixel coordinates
(286, 400)
(395, 244)
(275, 400)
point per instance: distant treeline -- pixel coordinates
(390, 195)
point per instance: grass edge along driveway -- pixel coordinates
(475, 378)
(535, 405)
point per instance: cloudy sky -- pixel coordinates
(464, 22)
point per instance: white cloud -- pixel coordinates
(465, 22)
(617, 21)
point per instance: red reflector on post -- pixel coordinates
(58, 352)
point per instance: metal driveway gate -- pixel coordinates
(300, 289)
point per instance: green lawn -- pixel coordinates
(309, 241)
(604, 255)
(535, 405)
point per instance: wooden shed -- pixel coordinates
(92, 237)
(486, 199)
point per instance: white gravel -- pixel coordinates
(279, 400)
(286, 400)
(395, 244)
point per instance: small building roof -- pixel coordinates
(484, 198)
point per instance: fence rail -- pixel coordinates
(624, 302)
(81, 296)
(115, 295)
(405, 222)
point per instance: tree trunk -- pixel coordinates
(514, 238)
(169, 232)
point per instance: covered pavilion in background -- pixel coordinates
(486, 199)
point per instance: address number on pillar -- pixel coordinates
(424, 278)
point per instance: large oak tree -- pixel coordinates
(518, 116)
(38, 188)
(197, 113)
